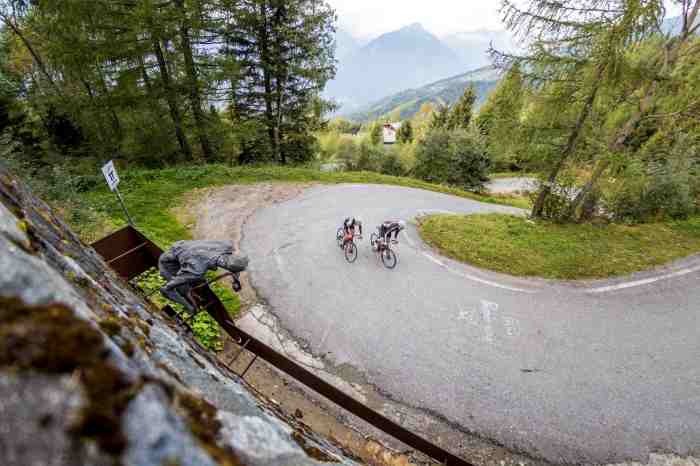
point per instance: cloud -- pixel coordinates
(368, 19)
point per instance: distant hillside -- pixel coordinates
(445, 91)
(397, 60)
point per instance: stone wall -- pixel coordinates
(90, 373)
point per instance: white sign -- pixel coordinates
(111, 176)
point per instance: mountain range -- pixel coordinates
(445, 91)
(395, 61)
(402, 63)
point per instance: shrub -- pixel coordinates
(390, 163)
(666, 184)
(454, 157)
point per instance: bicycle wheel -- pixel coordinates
(373, 240)
(389, 258)
(339, 235)
(350, 252)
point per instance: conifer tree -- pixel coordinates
(405, 135)
(461, 113)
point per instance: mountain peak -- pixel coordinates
(415, 27)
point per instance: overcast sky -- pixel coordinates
(370, 18)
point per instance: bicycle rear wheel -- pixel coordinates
(389, 258)
(350, 252)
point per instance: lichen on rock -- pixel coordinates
(90, 373)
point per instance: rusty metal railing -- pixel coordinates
(130, 254)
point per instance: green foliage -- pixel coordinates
(652, 191)
(499, 120)
(405, 135)
(343, 126)
(130, 80)
(204, 327)
(376, 133)
(440, 117)
(286, 51)
(461, 113)
(457, 158)
(391, 164)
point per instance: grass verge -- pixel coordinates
(518, 246)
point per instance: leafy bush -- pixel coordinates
(457, 158)
(556, 205)
(390, 163)
(666, 184)
(646, 198)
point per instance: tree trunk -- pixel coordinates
(263, 40)
(193, 84)
(171, 98)
(116, 124)
(144, 75)
(538, 207)
(618, 141)
(37, 59)
(615, 145)
(670, 56)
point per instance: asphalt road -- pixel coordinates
(590, 373)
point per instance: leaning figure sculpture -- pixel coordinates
(186, 263)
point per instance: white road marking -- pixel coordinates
(437, 261)
(423, 212)
(487, 311)
(646, 281)
(512, 326)
(487, 321)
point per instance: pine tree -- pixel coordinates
(440, 117)
(461, 113)
(499, 118)
(579, 42)
(376, 134)
(405, 135)
(285, 49)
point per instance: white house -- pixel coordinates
(390, 132)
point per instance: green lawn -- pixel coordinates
(150, 196)
(518, 246)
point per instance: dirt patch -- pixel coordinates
(220, 213)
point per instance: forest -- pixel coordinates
(601, 103)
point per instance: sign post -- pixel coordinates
(112, 178)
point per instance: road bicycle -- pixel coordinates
(346, 242)
(382, 246)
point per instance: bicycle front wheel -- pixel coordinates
(339, 236)
(373, 239)
(350, 252)
(389, 258)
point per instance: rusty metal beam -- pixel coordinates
(128, 252)
(129, 260)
